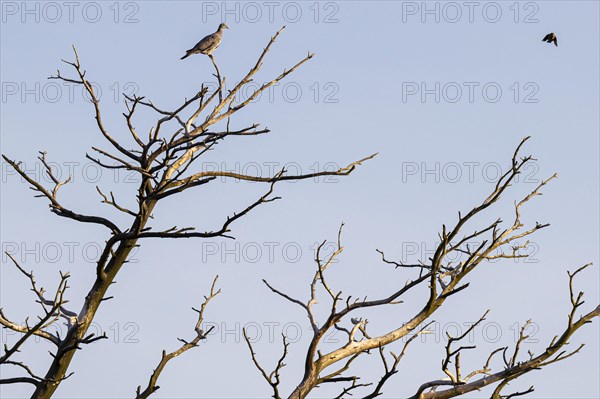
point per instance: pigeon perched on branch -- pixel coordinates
(208, 44)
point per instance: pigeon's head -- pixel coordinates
(223, 26)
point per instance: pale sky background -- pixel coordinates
(346, 103)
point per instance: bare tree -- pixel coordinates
(164, 158)
(442, 277)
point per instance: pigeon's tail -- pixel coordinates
(185, 56)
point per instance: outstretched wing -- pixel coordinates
(547, 38)
(555, 41)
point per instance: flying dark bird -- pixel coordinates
(208, 44)
(550, 38)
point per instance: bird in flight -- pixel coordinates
(208, 44)
(549, 38)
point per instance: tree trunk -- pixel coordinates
(58, 369)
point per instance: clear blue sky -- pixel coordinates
(442, 91)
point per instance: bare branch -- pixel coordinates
(55, 206)
(166, 357)
(514, 368)
(272, 378)
(95, 101)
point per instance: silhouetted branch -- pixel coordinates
(444, 280)
(513, 368)
(163, 158)
(55, 206)
(187, 345)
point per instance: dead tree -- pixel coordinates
(164, 158)
(441, 277)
